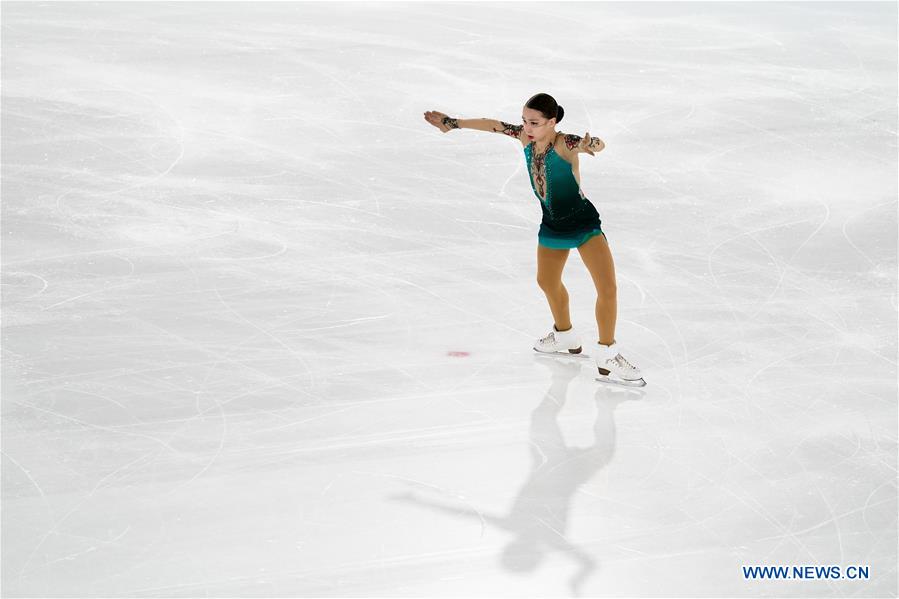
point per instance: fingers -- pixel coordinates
(587, 141)
(436, 119)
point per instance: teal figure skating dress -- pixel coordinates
(569, 219)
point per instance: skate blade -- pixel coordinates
(621, 382)
(562, 354)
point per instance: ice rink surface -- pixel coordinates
(266, 332)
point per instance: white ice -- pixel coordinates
(266, 332)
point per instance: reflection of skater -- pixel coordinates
(569, 221)
(538, 518)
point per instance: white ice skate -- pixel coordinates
(613, 368)
(559, 342)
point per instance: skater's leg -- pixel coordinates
(550, 263)
(598, 259)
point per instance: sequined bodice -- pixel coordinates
(553, 181)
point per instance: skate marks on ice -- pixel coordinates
(537, 519)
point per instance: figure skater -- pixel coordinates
(569, 221)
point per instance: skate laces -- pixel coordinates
(624, 363)
(551, 337)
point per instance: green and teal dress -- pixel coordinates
(569, 218)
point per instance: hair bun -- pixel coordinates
(544, 103)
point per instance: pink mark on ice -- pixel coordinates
(458, 354)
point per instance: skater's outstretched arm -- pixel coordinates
(587, 144)
(446, 123)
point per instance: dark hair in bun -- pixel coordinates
(547, 106)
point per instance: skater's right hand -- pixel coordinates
(436, 119)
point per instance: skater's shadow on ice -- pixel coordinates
(538, 517)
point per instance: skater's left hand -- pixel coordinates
(585, 144)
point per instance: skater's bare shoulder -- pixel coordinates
(510, 129)
(494, 126)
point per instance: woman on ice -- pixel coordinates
(569, 221)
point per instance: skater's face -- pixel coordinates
(536, 126)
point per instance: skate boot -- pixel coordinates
(559, 342)
(613, 368)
